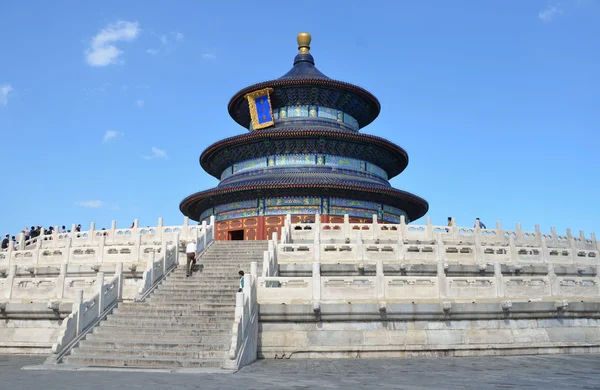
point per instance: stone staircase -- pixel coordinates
(185, 322)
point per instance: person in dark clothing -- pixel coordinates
(5, 242)
(241, 274)
(479, 224)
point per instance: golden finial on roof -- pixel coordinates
(304, 43)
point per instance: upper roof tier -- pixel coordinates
(305, 85)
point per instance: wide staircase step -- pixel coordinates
(184, 322)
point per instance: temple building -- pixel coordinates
(303, 155)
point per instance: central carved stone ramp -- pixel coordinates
(185, 322)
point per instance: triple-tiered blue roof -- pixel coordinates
(317, 118)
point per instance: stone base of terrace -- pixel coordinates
(392, 330)
(347, 289)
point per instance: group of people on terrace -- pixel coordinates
(478, 223)
(33, 232)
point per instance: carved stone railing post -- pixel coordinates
(441, 260)
(316, 282)
(100, 285)
(454, 229)
(113, 228)
(498, 279)
(204, 233)
(594, 242)
(375, 227)
(380, 280)
(538, 235)
(186, 224)
(68, 243)
(512, 249)
(572, 246)
(78, 305)
(544, 249)
(554, 284)
(92, 233)
(138, 245)
(55, 235)
(101, 249)
(164, 250)
(266, 264)
(346, 227)
(499, 232)
(214, 227)
(159, 229)
(399, 245)
(403, 227)
(73, 232)
(317, 225)
(520, 235)
(359, 246)
(429, 229)
(554, 236)
(478, 248)
(317, 245)
(582, 241)
(21, 245)
(10, 250)
(119, 274)
(151, 266)
(60, 282)
(8, 287)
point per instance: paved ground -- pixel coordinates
(523, 372)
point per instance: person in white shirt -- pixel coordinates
(190, 251)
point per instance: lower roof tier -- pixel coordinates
(304, 205)
(225, 153)
(196, 204)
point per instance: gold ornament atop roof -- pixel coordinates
(303, 43)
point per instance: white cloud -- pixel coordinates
(549, 13)
(157, 153)
(111, 135)
(209, 56)
(139, 103)
(102, 50)
(4, 91)
(92, 204)
(152, 52)
(178, 36)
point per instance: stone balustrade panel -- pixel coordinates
(527, 287)
(411, 287)
(572, 286)
(295, 290)
(295, 253)
(413, 253)
(471, 287)
(460, 254)
(337, 288)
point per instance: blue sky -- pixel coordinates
(106, 106)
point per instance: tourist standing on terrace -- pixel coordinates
(479, 224)
(5, 242)
(190, 251)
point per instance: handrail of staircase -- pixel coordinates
(153, 272)
(244, 339)
(157, 271)
(86, 315)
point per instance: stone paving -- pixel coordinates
(516, 372)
